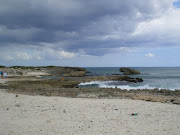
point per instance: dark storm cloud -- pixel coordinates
(89, 25)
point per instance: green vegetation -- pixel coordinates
(1, 66)
(30, 67)
(22, 67)
(50, 66)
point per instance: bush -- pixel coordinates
(1, 66)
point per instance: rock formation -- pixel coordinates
(48, 70)
(129, 71)
(113, 78)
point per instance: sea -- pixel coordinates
(153, 78)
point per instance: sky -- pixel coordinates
(90, 33)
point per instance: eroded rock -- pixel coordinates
(129, 71)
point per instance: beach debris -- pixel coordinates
(134, 114)
(17, 95)
(17, 105)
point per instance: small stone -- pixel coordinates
(17, 95)
(17, 105)
(48, 121)
(64, 111)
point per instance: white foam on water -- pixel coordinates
(105, 84)
(127, 87)
(90, 83)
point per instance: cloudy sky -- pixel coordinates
(90, 33)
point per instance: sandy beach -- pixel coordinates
(30, 115)
(90, 67)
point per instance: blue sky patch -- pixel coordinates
(176, 4)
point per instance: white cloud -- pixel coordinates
(39, 58)
(53, 54)
(67, 54)
(166, 28)
(15, 53)
(23, 56)
(150, 55)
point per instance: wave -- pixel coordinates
(109, 84)
(127, 87)
(90, 83)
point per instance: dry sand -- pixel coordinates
(40, 115)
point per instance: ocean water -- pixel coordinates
(154, 77)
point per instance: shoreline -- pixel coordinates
(30, 105)
(68, 88)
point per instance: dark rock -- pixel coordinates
(129, 79)
(129, 71)
(139, 79)
(175, 101)
(17, 105)
(88, 72)
(115, 74)
(114, 78)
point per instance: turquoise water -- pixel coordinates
(154, 77)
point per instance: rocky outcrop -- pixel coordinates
(75, 74)
(129, 79)
(129, 71)
(66, 71)
(114, 78)
(48, 70)
(68, 88)
(12, 72)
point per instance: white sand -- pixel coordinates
(38, 115)
(36, 73)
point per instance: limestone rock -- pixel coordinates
(129, 71)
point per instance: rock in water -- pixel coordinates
(129, 71)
